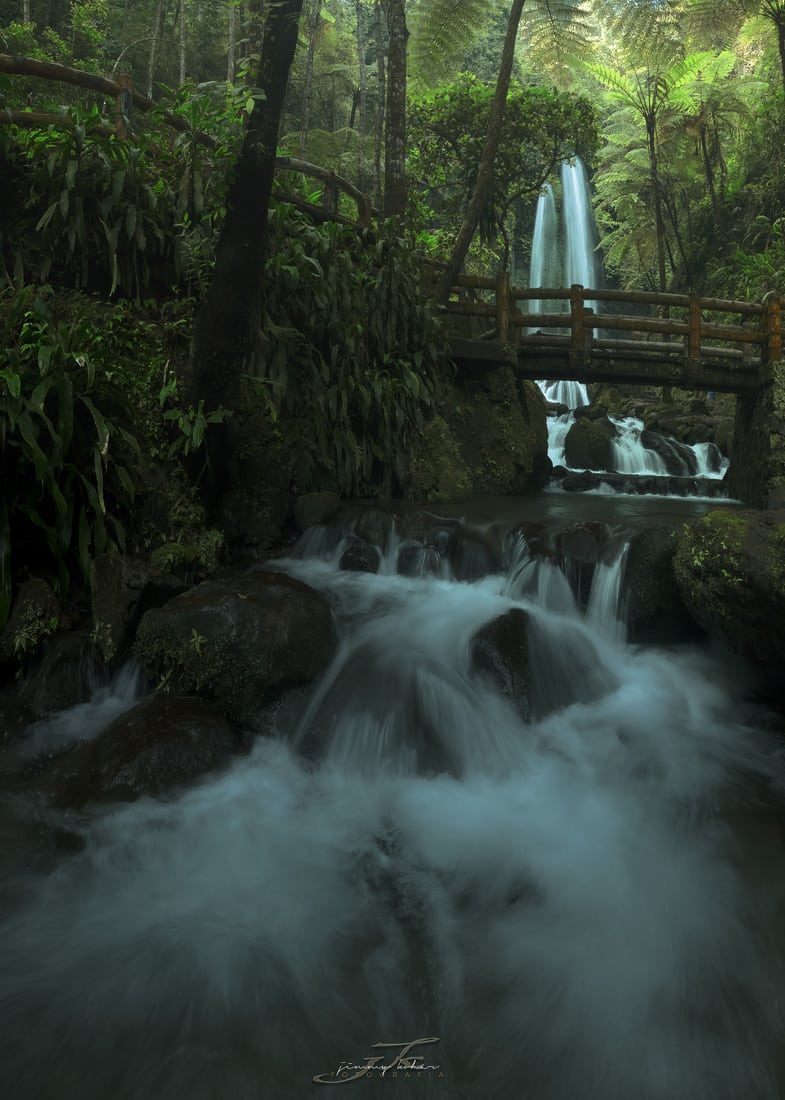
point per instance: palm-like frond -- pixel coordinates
(443, 30)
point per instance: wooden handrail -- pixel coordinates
(691, 333)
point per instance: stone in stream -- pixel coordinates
(123, 588)
(163, 741)
(588, 444)
(500, 652)
(359, 556)
(655, 611)
(240, 642)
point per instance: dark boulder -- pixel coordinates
(655, 610)
(240, 642)
(375, 526)
(730, 570)
(679, 459)
(472, 554)
(163, 741)
(313, 508)
(123, 588)
(500, 653)
(35, 615)
(359, 556)
(67, 672)
(588, 444)
(15, 717)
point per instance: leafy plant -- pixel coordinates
(65, 461)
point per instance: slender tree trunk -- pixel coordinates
(362, 100)
(26, 15)
(484, 180)
(313, 29)
(232, 41)
(229, 318)
(156, 35)
(395, 110)
(656, 186)
(381, 97)
(181, 17)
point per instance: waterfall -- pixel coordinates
(569, 889)
(545, 269)
(580, 262)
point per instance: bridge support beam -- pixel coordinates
(757, 470)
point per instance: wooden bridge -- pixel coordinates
(681, 340)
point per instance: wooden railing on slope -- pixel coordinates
(125, 98)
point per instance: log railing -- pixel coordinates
(126, 98)
(690, 327)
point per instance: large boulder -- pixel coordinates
(730, 569)
(500, 654)
(35, 615)
(588, 444)
(240, 642)
(67, 672)
(163, 741)
(123, 588)
(655, 611)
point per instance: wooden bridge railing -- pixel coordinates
(689, 327)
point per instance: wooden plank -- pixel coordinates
(503, 305)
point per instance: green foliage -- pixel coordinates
(350, 351)
(66, 454)
(447, 131)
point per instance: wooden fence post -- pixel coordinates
(693, 348)
(503, 307)
(577, 324)
(771, 331)
(123, 105)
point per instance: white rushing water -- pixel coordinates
(587, 905)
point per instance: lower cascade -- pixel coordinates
(493, 828)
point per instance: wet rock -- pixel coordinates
(500, 652)
(538, 537)
(375, 526)
(655, 611)
(472, 554)
(679, 459)
(163, 741)
(240, 642)
(123, 588)
(67, 672)
(579, 483)
(730, 570)
(580, 547)
(360, 556)
(427, 529)
(313, 508)
(588, 444)
(415, 560)
(595, 411)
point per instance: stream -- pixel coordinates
(576, 895)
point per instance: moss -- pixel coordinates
(436, 470)
(710, 563)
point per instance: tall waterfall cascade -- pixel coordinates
(563, 253)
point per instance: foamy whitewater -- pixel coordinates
(584, 907)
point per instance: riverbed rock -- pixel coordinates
(163, 741)
(15, 717)
(67, 672)
(473, 554)
(678, 458)
(313, 508)
(730, 570)
(500, 652)
(375, 526)
(240, 641)
(588, 444)
(359, 556)
(123, 588)
(654, 609)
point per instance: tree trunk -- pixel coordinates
(395, 110)
(380, 102)
(656, 186)
(181, 17)
(155, 38)
(26, 15)
(484, 180)
(232, 41)
(361, 102)
(227, 321)
(313, 28)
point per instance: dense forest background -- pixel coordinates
(450, 116)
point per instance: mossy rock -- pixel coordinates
(436, 470)
(730, 569)
(655, 611)
(589, 444)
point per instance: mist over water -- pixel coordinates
(585, 906)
